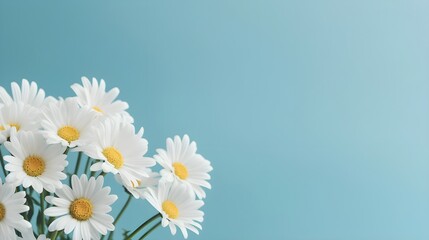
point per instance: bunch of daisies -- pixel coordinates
(40, 198)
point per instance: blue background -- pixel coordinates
(314, 113)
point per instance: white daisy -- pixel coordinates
(94, 96)
(120, 149)
(83, 208)
(181, 162)
(11, 206)
(28, 94)
(138, 190)
(66, 123)
(177, 207)
(34, 162)
(19, 116)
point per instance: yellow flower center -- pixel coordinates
(16, 125)
(2, 211)
(170, 209)
(33, 166)
(81, 209)
(97, 109)
(180, 170)
(68, 133)
(2, 128)
(114, 157)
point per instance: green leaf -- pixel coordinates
(39, 222)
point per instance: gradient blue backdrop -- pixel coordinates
(315, 114)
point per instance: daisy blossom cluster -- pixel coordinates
(58, 151)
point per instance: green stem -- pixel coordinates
(35, 201)
(88, 161)
(2, 162)
(79, 157)
(150, 230)
(54, 235)
(120, 215)
(143, 225)
(42, 209)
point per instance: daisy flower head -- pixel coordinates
(181, 163)
(95, 97)
(142, 185)
(34, 162)
(64, 122)
(28, 93)
(120, 150)
(19, 116)
(83, 208)
(177, 207)
(11, 206)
